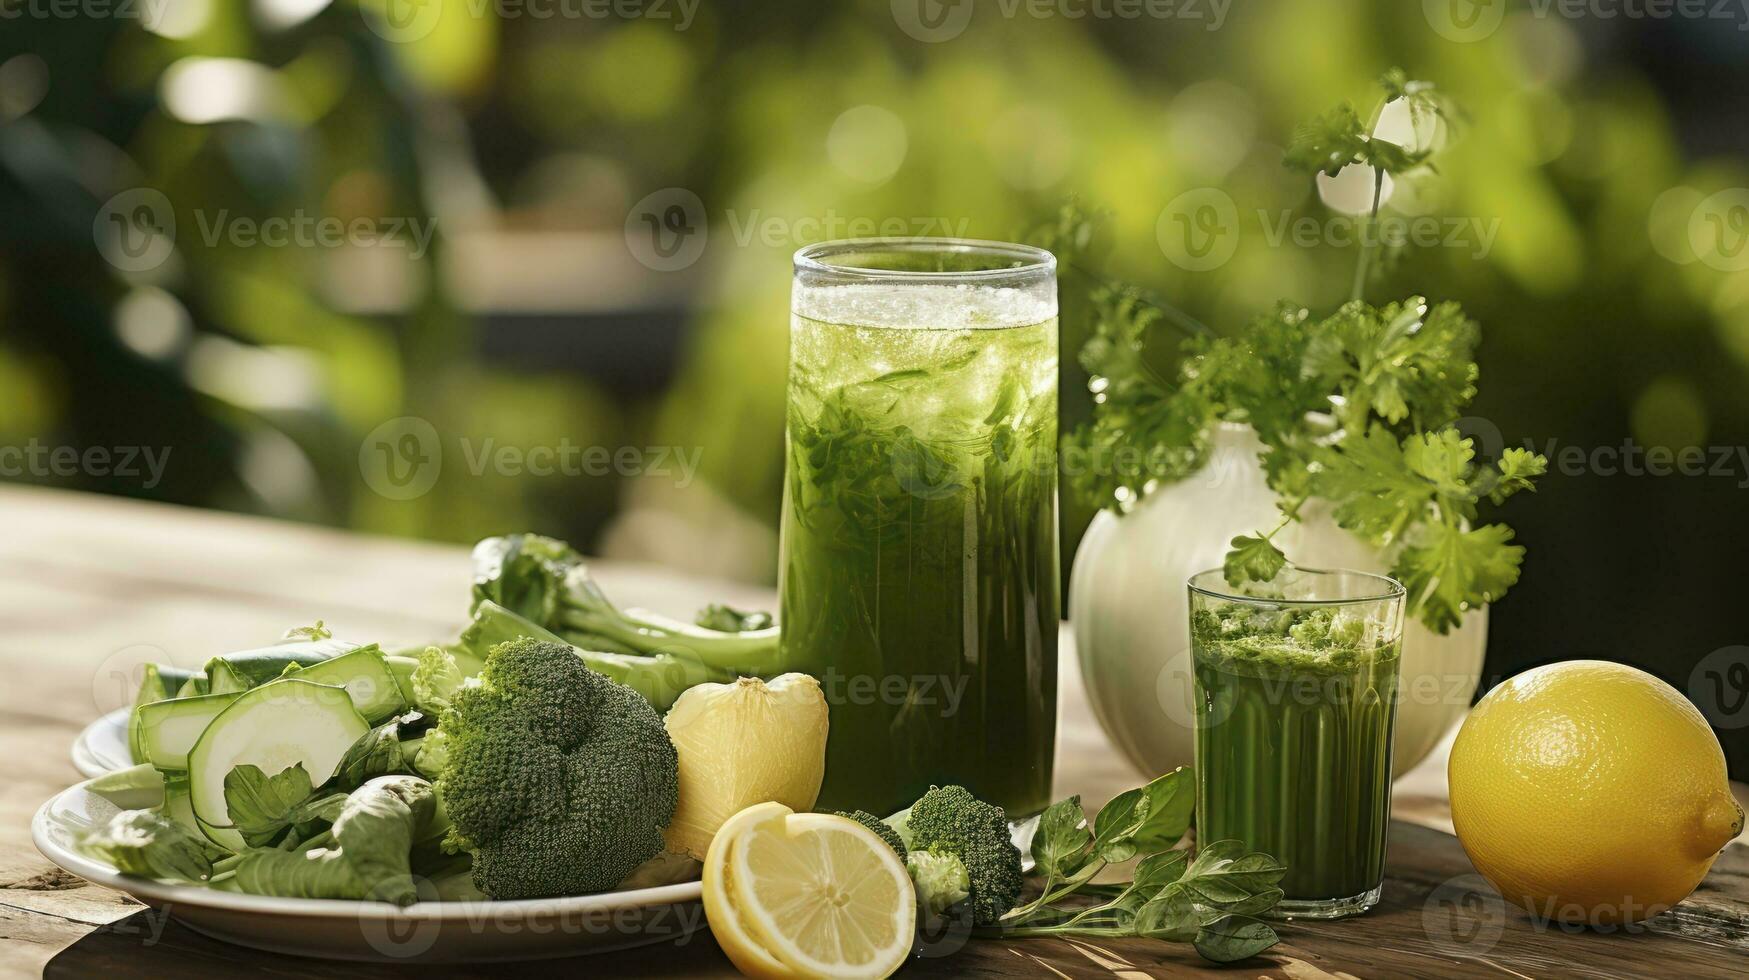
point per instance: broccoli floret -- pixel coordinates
(951, 821)
(556, 779)
(941, 880)
(882, 829)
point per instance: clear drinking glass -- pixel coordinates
(919, 530)
(1296, 703)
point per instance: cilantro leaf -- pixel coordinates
(1454, 569)
(1252, 558)
(1518, 470)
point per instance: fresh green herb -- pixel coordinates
(152, 845)
(319, 631)
(961, 858)
(1356, 409)
(365, 855)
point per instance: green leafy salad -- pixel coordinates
(526, 759)
(1356, 408)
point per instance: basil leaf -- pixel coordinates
(150, 845)
(261, 805)
(1062, 837)
(1234, 937)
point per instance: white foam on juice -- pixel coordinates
(923, 307)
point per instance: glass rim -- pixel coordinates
(1025, 261)
(1389, 589)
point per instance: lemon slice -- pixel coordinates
(822, 894)
(719, 905)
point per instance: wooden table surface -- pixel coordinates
(91, 587)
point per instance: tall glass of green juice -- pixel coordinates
(919, 530)
(1296, 702)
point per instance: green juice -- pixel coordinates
(1295, 714)
(919, 538)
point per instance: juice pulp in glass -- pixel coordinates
(1295, 714)
(919, 538)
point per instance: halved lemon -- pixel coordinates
(818, 894)
(719, 905)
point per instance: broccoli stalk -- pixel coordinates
(960, 850)
(661, 678)
(547, 581)
(557, 780)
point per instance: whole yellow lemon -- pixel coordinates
(1590, 792)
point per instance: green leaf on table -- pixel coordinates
(1224, 872)
(1252, 558)
(1062, 837)
(1234, 937)
(1171, 916)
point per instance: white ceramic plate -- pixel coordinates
(423, 932)
(103, 745)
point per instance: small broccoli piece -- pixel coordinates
(556, 779)
(951, 821)
(882, 829)
(548, 582)
(941, 880)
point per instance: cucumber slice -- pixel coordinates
(177, 804)
(232, 672)
(194, 687)
(275, 726)
(160, 683)
(167, 730)
(367, 679)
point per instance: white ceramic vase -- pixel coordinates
(1129, 611)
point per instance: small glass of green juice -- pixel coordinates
(1296, 704)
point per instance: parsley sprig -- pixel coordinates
(1356, 410)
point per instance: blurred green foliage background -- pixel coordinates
(529, 143)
